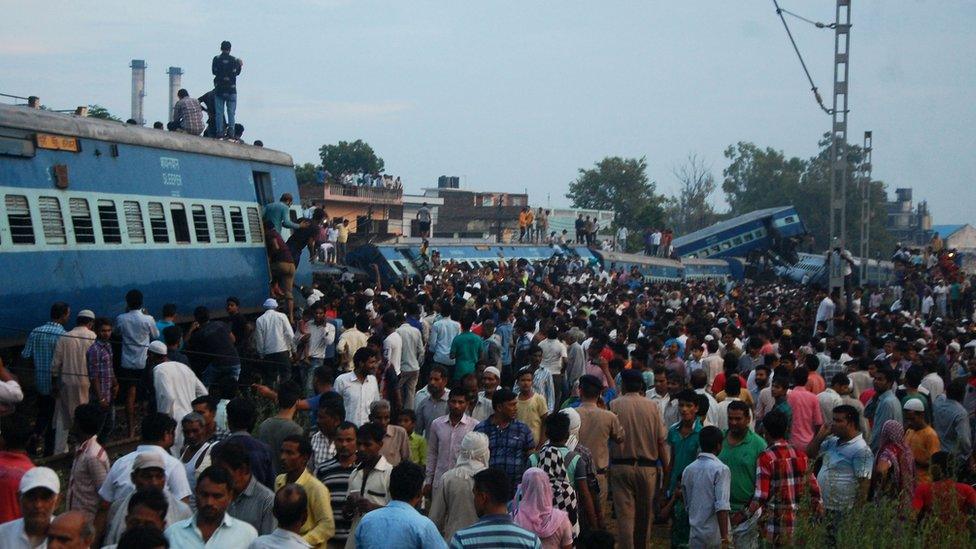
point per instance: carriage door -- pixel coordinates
(262, 188)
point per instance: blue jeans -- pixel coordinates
(220, 101)
(214, 373)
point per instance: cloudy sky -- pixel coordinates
(520, 95)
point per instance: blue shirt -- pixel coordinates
(277, 214)
(397, 526)
(442, 334)
(231, 533)
(844, 464)
(495, 532)
(504, 330)
(40, 348)
(508, 446)
(706, 484)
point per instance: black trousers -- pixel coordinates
(44, 424)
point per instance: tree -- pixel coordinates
(621, 185)
(691, 209)
(759, 178)
(350, 157)
(305, 173)
(98, 111)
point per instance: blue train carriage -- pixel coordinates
(92, 208)
(741, 236)
(812, 269)
(719, 270)
(656, 269)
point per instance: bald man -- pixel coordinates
(72, 530)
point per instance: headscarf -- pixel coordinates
(574, 427)
(535, 512)
(473, 456)
(894, 450)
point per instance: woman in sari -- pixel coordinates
(894, 466)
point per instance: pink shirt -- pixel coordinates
(807, 418)
(444, 445)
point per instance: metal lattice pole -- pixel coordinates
(865, 205)
(838, 149)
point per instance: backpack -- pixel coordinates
(563, 494)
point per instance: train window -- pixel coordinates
(726, 245)
(200, 223)
(759, 233)
(19, 217)
(108, 215)
(254, 225)
(737, 241)
(181, 227)
(81, 220)
(220, 223)
(789, 219)
(714, 249)
(237, 224)
(51, 220)
(133, 222)
(748, 237)
(157, 221)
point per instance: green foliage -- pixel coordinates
(759, 178)
(305, 173)
(98, 111)
(621, 185)
(350, 157)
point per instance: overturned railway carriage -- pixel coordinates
(812, 269)
(775, 229)
(404, 260)
(92, 208)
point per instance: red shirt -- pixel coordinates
(928, 492)
(719, 384)
(13, 465)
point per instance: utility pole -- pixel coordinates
(865, 205)
(838, 148)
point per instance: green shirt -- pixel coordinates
(466, 350)
(684, 450)
(741, 460)
(418, 449)
(785, 409)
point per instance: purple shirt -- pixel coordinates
(444, 445)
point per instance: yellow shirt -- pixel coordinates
(923, 443)
(319, 527)
(531, 412)
(343, 233)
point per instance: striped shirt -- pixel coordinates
(495, 532)
(335, 477)
(40, 347)
(100, 372)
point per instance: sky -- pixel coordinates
(515, 96)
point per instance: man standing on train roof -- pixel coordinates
(277, 213)
(225, 68)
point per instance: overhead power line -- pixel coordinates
(813, 87)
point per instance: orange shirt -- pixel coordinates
(923, 443)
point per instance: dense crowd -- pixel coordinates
(549, 404)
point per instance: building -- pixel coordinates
(411, 205)
(471, 214)
(909, 225)
(370, 210)
(962, 238)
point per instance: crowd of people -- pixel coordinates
(547, 404)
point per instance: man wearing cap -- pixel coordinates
(69, 368)
(175, 386)
(148, 473)
(39, 490)
(274, 340)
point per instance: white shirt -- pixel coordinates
(554, 353)
(829, 399)
(934, 384)
(279, 539)
(118, 483)
(357, 396)
(712, 414)
(13, 536)
(137, 330)
(273, 333)
(176, 386)
(412, 354)
(392, 350)
(320, 337)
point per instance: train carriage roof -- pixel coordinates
(35, 120)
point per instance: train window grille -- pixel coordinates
(51, 221)
(181, 227)
(789, 219)
(237, 224)
(157, 222)
(200, 223)
(133, 221)
(220, 223)
(254, 225)
(726, 245)
(81, 220)
(737, 241)
(748, 237)
(19, 218)
(108, 216)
